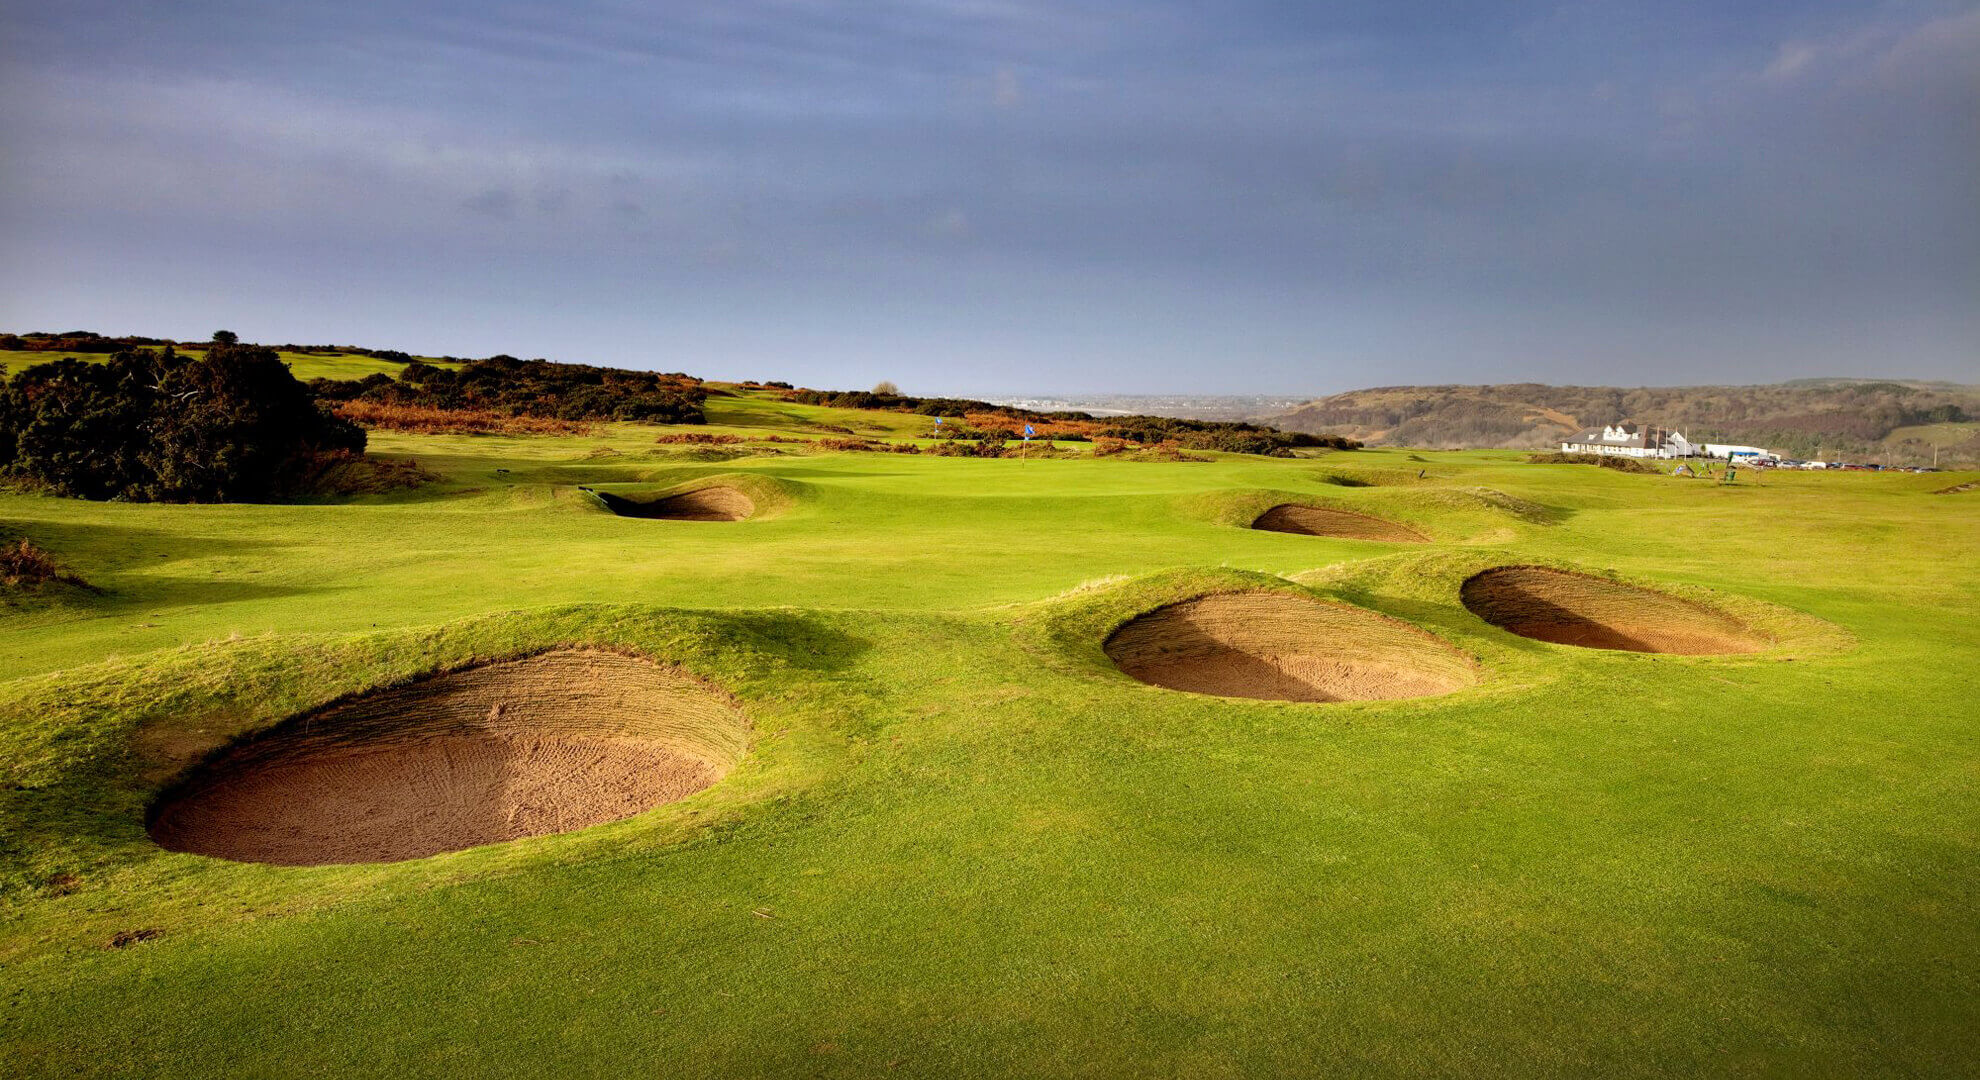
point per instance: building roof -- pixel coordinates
(1648, 439)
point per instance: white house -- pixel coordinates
(1627, 440)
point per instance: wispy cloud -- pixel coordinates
(1704, 166)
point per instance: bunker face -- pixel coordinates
(1285, 648)
(547, 744)
(702, 504)
(1317, 521)
(1576, 609)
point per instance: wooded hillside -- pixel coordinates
(1837, 417)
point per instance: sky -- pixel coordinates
(1013, 196)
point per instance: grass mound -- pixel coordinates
(1281, 647)
(547, 744)
(1567, 608)
(1605, 461)
(716, 503)
(1345, 524)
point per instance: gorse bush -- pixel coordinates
(1605, 461)
(538, 388)
(1228, 436)
(158, 426)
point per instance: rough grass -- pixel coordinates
(422, 419)
(963, 843)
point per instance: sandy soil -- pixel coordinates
(703, 504)
(1576, 609)
(1316, 521)
(1285, 648)
(523, 748)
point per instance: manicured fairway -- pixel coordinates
(962, 843)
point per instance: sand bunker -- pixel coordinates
(1576, 609)
(547, 744)
(1345, 524)
(702, 504)
(1281, 647)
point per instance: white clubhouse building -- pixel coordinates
(1628, 440)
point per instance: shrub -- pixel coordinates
(703, 438)
(535, 388)
(426, 420)
(1606, 461)
(231, 425)
(23, 566)
(988, 448)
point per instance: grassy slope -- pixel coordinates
(962, 846)
(1935, 434)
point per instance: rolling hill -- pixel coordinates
(1903, 420)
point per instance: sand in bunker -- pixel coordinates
(547, 744)
(1281, 647)
(1344, 524)
(702, 504)
(1567, 608)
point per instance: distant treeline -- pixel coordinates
(942, 406)
(534, 388)
(157, 425)
(1231, 437)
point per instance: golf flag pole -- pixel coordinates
(1026, 451)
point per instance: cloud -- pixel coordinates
(493, 202)
(1004, 89)
(1687, 162)
(951, 224)
(1792, 58)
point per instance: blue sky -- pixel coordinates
(1006, 196)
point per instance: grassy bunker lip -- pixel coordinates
(1277, 646)
(718, 502)
(1568, 608)
(1341, 524)
(546, 744)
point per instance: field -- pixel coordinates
(961, 841)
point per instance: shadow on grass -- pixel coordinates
(806, 642)
(118, 548)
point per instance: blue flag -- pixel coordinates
(1027, 431)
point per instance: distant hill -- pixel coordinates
(1855, 418)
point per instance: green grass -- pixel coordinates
(963, 844)
(1948, 434)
